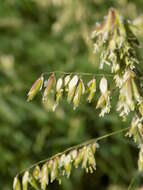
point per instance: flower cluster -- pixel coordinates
(73, 88)
(60, 165)
(118, 42)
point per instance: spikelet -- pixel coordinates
(78, 93)
(36, 172)
(71, 88)
(79, 158)
(67, 80)
(49, 85)
(36, 87)
(67, 165)
(16, 184)
(59, 92)
(53, 166)
(103, 85)
(104, 99)
(44, 177)
(25, 180)
(91, 88)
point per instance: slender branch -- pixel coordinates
(113, 133)
(85, 74)
(76, 73)
(77, 147)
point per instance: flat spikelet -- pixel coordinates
(36, 87)
(49, 85)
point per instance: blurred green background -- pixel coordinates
(45, 35)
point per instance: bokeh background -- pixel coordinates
(44, 35)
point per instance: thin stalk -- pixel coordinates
(84, 74)
(76, 73)
(77, 147)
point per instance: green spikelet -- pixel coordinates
(36, 87)
(16, 184)
(50, 83)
